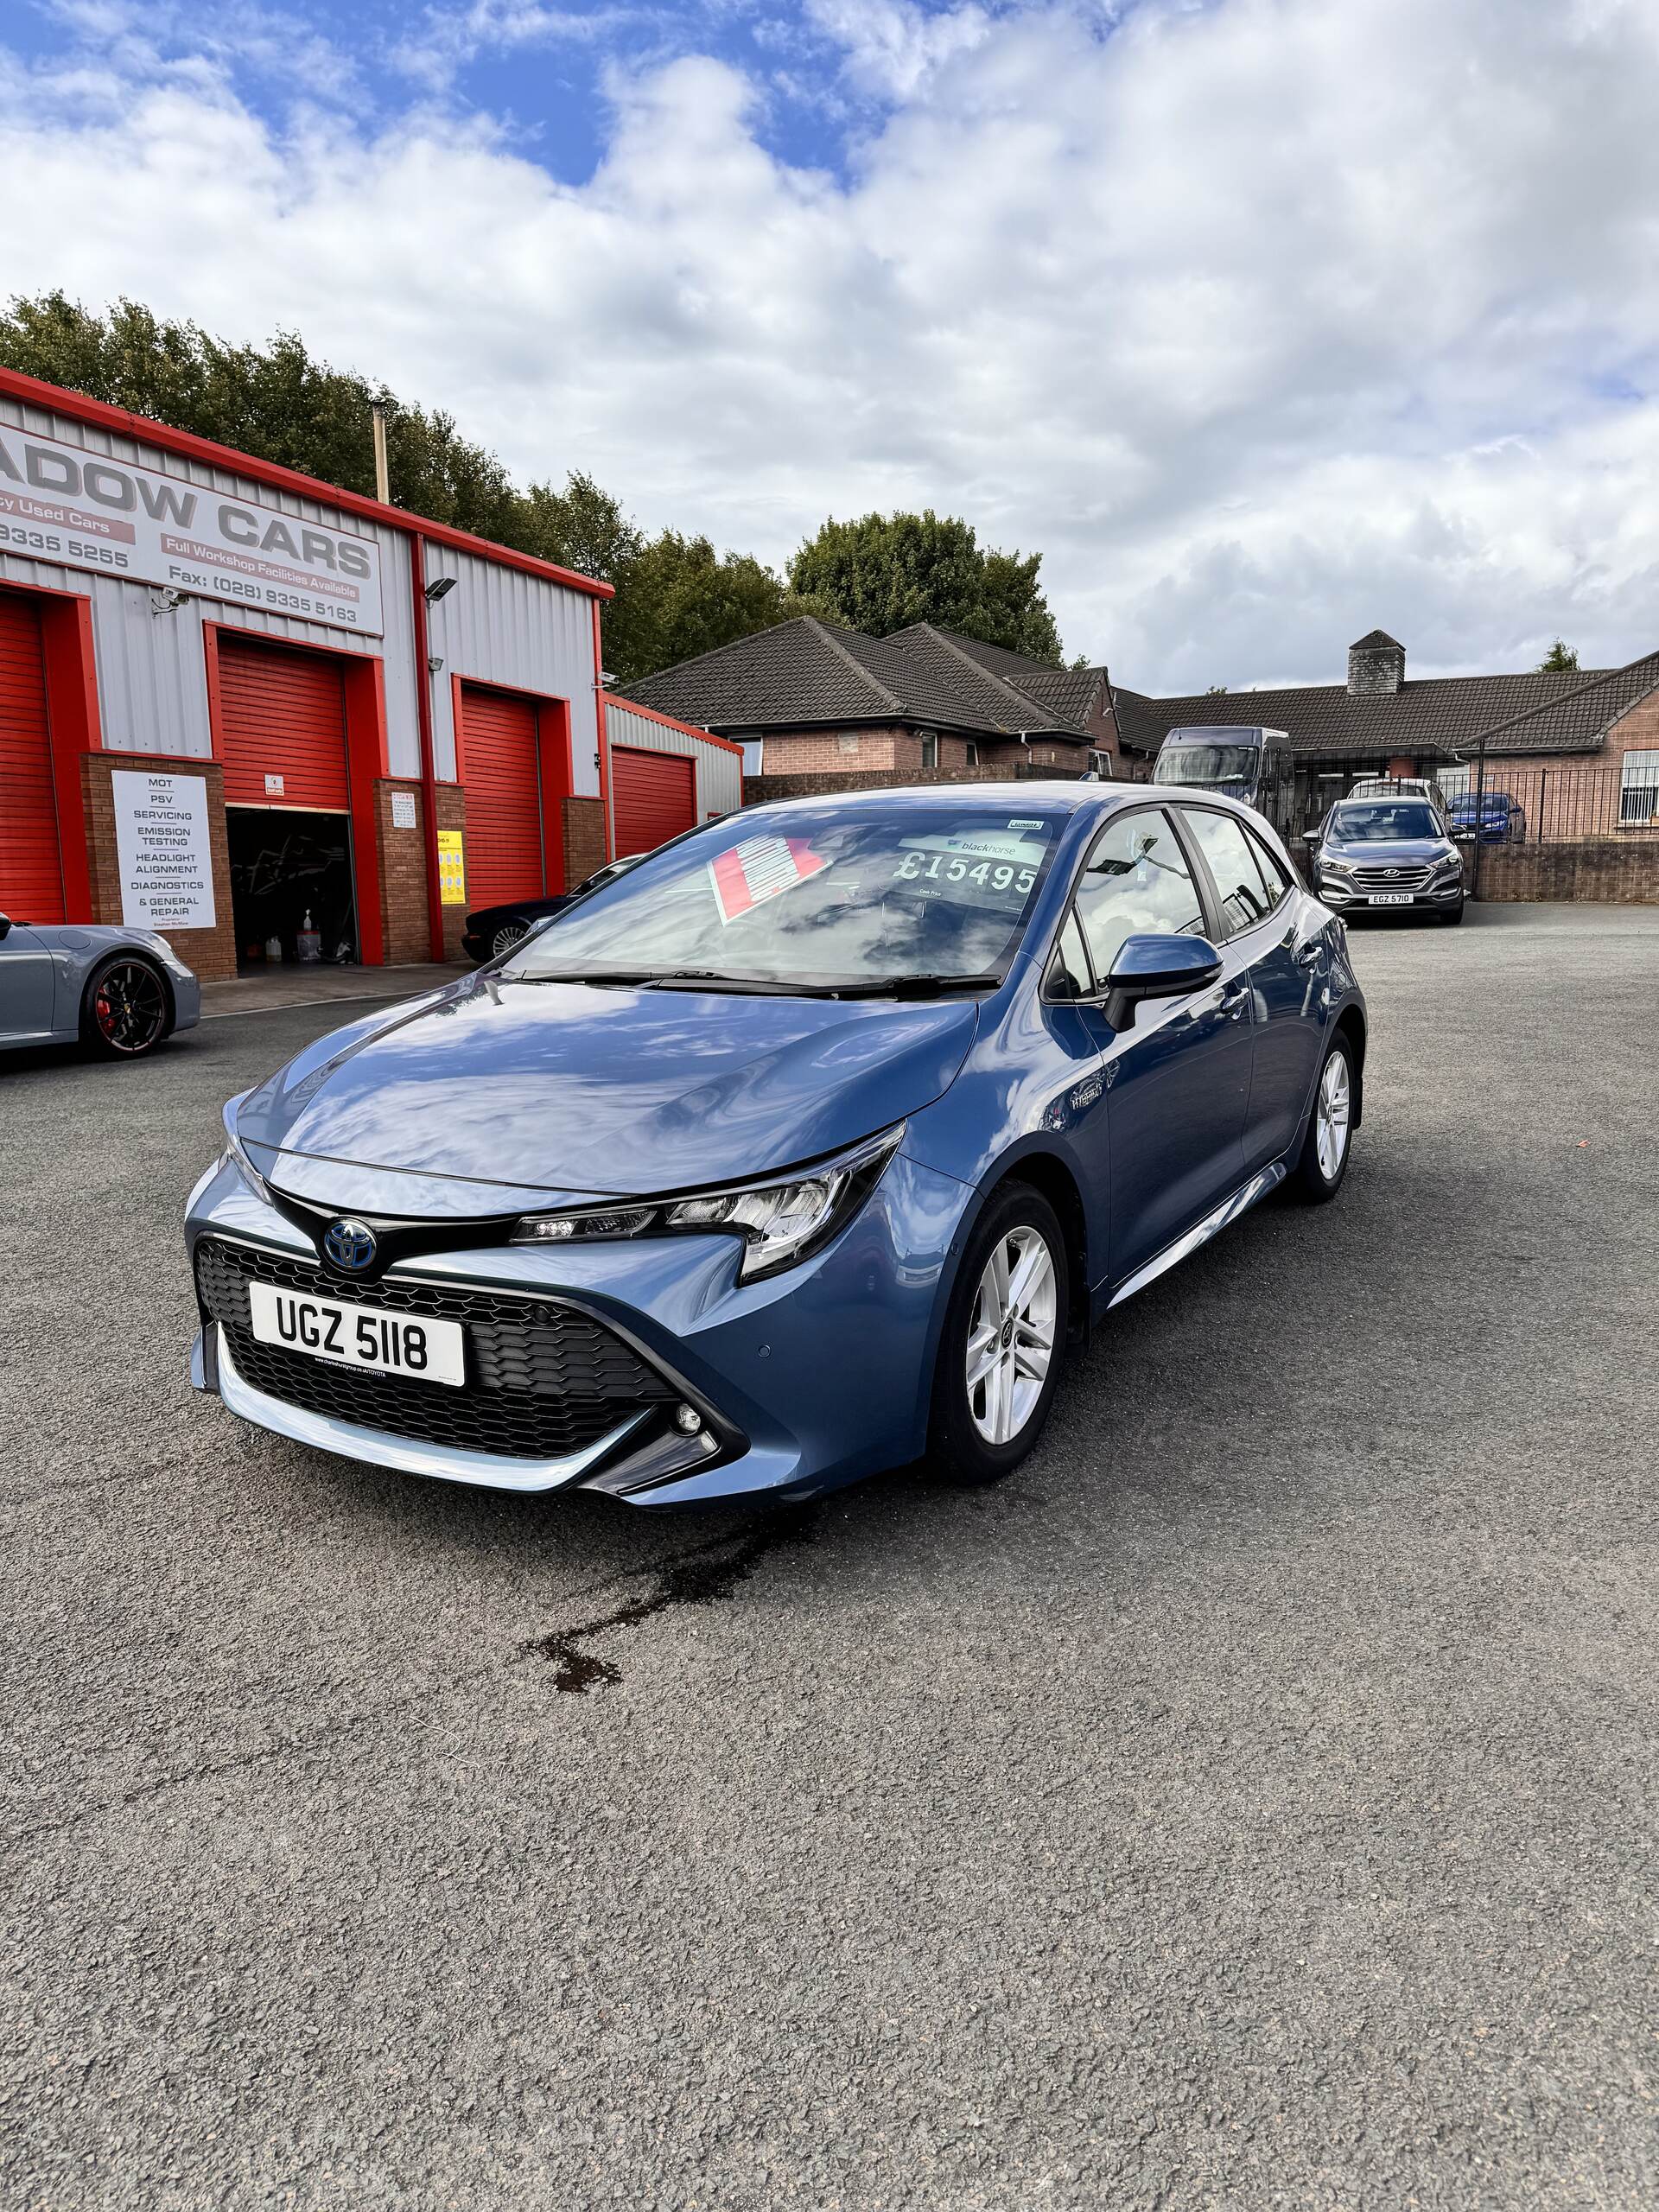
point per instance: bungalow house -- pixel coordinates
(821, 706)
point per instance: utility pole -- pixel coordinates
(381, 479)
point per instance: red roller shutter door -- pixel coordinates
(502, 769)
(31, 879)
(283, 713)
(653, 798)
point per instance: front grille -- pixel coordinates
(1393, 879)
(542, 1380)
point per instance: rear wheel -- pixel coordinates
(1317, 1173)
(124, 1012)
(999, 1360)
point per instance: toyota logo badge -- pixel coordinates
(350, 1246)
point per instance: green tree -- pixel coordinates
(1562, 659)
(678, 597)
(882, 572)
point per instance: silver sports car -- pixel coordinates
(120, 991)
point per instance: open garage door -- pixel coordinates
(653, 798)
(281, 726)
(502, 769)
(31, 876)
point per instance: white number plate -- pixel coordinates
(1389, 899)
(358, 1336)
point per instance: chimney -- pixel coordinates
(1377, 663)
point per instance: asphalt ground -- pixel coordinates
(1251, 1803)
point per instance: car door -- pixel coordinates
(1177, 1080)
(1272, 943)
(26, 984)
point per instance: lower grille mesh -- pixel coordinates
(542, 1380)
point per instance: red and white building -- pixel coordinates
(232, 696)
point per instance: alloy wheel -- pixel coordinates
(1330, 1135)
(506, 938)
(130, 1007)
(1011, 1335)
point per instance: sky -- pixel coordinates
(1267, 323)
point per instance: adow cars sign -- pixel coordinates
(61, 503)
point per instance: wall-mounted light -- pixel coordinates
(437, 589)
(435, 662)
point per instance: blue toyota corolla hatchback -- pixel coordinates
(802, 1149)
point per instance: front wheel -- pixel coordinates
(999, 1360)
(124, 1012)
(1317, 1175)
(507, 937)
(1452, 915)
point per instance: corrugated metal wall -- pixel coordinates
(500, 626)
(720, 773)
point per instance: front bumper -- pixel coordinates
(805, 1380)
(1352, 898)
(187, 999)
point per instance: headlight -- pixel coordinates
(235, 1153)
(1447, 862)
(781, 1221)
(1334, 868)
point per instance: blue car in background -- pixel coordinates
(804, 1148)
(1503, 821)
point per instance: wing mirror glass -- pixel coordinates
(5, 927)
(1157, 968)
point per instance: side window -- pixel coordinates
(1068, 971)
(1135, 882)
(1231, 857)
(1278, 883)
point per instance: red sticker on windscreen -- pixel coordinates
(759, 869)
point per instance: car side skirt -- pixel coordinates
(1243, 1198)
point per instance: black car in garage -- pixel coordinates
(495, 930)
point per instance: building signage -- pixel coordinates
(165, 855)
(452, 869)
(61, 503)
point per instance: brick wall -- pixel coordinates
(452, 814)
(403, 876)
(210, 953)
(849, 751)
(1615, 871)
(584, 839)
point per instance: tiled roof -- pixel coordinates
(1069, 692)
(1577, 721)
(1429, 717)
(809, 673)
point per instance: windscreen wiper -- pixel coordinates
(916, 987)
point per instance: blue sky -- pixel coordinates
(1266, 322)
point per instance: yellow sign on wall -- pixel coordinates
(452, 869)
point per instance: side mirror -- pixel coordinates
(1157, 968)
(1312, 838)
(5, 927)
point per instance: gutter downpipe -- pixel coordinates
(428, 756)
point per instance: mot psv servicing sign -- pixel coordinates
(59, 503)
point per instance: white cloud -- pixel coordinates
(1266, 322)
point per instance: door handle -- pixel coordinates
(1235, 1001)
(1311, 953)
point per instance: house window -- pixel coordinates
(970, 754)
(929, 749)
(1638, 790)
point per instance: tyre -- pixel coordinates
(124, 1012)
(1452, 915)
(507, 937)
(1004, 1337)
(1317, 1175)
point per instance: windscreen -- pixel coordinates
(1382, 823)
(1210, 767)
(819, 896)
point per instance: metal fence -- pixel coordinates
(1518, 802)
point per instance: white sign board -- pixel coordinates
(166, 857)
(403, 810)
(61, 503)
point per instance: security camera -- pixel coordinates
(166, 600)
(435, 662)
